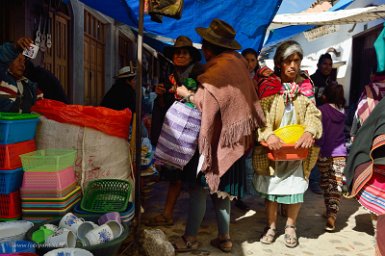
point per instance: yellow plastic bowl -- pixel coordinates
(291, 133)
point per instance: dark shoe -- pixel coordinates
(224, 245)
(241, 205)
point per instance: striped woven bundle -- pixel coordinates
(179, 136)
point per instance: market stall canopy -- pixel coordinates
(340, 17)
(281, 32)
(249, 18)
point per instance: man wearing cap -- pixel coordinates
(231, 114)
(122, 93)
(17, 93)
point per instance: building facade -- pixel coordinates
(81, 46)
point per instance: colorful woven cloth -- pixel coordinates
(290, 90)
(370, 97)
(372, 195)
(369, 178)
(268, 83)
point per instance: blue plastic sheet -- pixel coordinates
(250, 18)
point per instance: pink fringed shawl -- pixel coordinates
(230, 114)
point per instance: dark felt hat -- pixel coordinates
(183, 42)
(220, 33)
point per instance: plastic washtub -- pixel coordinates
(106, 195)
(10, 153)
(107, 249)
(17, 130)
(287, 153)
(18, 246)
(69, 252)
(14, 230)
(34, 193)
(49, 181)
(125, 216)
(48, 160)
(10, 180)
(290, 133)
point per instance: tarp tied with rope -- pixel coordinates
(332, 18)
(250, 18)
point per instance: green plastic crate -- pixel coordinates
(106, 195)
(17, 116)
(48, 160)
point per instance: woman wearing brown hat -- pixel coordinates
(185, 58)
(230, 115)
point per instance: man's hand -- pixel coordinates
(24, 43)
(306, 141)
(274, 143)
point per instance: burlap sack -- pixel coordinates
(99, 155)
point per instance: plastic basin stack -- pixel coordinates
(49, 189)
(106, 195)
(17, 132)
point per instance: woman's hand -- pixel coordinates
(306, 141)
(273, 142)
(182, 91)
(24, 43)
(160, 89)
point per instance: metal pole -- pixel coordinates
(138, 108)
(138, 127)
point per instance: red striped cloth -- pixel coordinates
(269, 84)
(371, 182)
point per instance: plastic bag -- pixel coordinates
(109, 121)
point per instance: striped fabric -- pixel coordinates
(370, 97)
(372, 195)
(179, 136)
(371, 181)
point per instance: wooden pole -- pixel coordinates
(138, 111)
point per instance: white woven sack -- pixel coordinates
(99, 156)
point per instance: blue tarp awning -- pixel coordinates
(281, 34)
(250, 18)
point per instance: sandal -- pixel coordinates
(159, 220)
(291, 240)
(268, 236)
(181, 244)
(224, 245)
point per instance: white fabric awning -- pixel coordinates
(332, 18)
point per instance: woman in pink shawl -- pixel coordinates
(230, 115)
